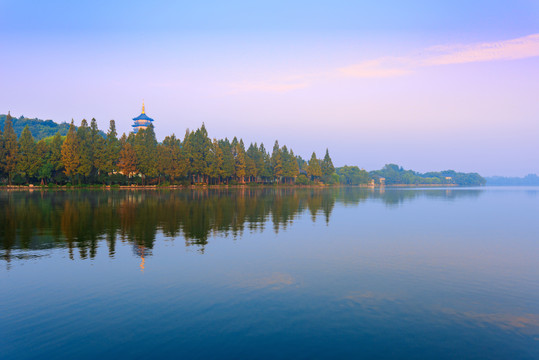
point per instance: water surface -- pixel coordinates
(272, 273)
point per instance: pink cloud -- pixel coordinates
(520, 48)
(393, 66)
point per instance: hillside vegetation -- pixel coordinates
(392, 174)
(40, 129)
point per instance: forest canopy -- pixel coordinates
(40, 128)
(86, 155)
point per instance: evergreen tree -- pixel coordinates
(99, 155)
(187, 148)
(215, 161)
(86, 162)
(112, 149)
(229, 163)
(277, 161)
(327, 165)
(179, 159)
(293, 165)
(266, 170)
(200, 148)
(290, 165)
(150, 145)
(165, 163)
(70, 152)
(251, 158)
(28, 160)
(240, 162)
(313, 169)
(11, 149)
(302, 163)
(127, 162)
(2, 154)
(46, 167)
(146, 151)
(287, 164)
(161, 161)
(259, 160)
(56, 152)
(171, 161)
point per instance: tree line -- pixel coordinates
(392, 174)
(85, 156)
(40, 128)
(528, 180)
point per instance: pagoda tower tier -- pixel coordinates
(142, 121)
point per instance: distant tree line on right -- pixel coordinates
(392, 174)
(528, 180)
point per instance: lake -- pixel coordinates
(270, 273)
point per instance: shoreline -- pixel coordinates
(207, 187)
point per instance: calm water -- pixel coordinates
(266, 274)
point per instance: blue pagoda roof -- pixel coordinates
(143, 116)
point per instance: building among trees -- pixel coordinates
(142, 121)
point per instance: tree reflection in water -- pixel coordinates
(79, 220)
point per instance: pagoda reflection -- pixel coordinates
(81, 221)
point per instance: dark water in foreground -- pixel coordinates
(266, 274)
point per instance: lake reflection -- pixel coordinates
(79, 219)
(270, 273)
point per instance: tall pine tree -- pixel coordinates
(70, 152)
(2, 154)
(240, 169)
(11, 149)
(327, 165)
(215, 162)
(112, 149)
(229, 163)
(313, 169)
(99, 155)
(277, 161)
(86, 163)
(56, 152)
(45, 171)
(28, 160)
(127, 162)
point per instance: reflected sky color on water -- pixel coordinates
(272, 273)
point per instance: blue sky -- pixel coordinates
(428, 85)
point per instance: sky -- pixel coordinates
(429, 85)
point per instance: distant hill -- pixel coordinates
(40, 129)
(528, 180)
(395, 175)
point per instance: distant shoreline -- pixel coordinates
(223, 186)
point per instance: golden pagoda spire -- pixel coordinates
(143, 111)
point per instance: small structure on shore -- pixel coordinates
(142, 121)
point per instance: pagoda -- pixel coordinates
(142, 121)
